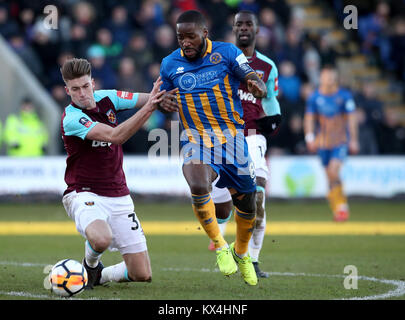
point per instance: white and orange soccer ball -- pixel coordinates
(67, 278)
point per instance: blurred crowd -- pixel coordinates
(126, 40)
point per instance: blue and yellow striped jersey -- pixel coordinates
(331, 112)
(210, 108)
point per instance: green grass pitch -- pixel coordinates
(309, 267)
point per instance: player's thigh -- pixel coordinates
(220, 195)
(99, 234)
(138, 266)
(257, 147)
(128, 235)
(199, 177)
(84, 208)
(333, 169)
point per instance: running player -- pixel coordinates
(331, 129)
(97, 197)
(207, 74)
(261, 116)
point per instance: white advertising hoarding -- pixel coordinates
(290, 177)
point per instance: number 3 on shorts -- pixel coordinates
(132, 216)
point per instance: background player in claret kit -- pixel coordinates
(97, 197)
(330, 129)
(262, 116)
(207, 74)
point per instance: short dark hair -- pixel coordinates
(75, 68)
(255, 20)
(192, 16)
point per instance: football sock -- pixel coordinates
(92, 257)
(204, 210)
(336, 197)
(244, 227)
(256, 241)
(222, 223)
(115, 273)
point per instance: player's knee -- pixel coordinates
(223, 210)
(101, 242)
(199, 187)
(259, 204)
(245, 202)
(140, 276)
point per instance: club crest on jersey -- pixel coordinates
(125, 95)
(260, 74)
(111, 116)
(215, 58)
(89, 203)
(86, 122)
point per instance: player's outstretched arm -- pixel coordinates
(309, 129)
(256, 86)
(168, 103)
(353, 134)
(121, 133)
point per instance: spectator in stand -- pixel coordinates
(368, 100)
(279, 7)
(164, 42)
(54, 72)
(367, 140)
(391, 137)
(26, 18)
(149, 17)
(249, 5)
(326, 51)
(79, 41)
(129, 78)
(312, 65)
(120, 25)
(100, 68)
(374, 29)
(84, 14)
(397, 45)
(8, 27)
(269, 20)
(140, 52)
(289, 82)
(27, 54)
(112, 50)
(293, 50)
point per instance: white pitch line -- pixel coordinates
(397, 292)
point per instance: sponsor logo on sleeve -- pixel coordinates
(86, 122)
(241, 59)
(125, 95)
(276, 84)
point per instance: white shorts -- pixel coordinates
(118, 212)
(257, 146)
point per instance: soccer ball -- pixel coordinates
(67, 278)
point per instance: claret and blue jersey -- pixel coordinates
(95, 166)
(210, 108)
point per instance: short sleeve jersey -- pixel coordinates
(95, 166)
(253, 107)
(331, 112)
(210, 108)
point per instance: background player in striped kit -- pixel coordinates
(262, 116)
(331, 129)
